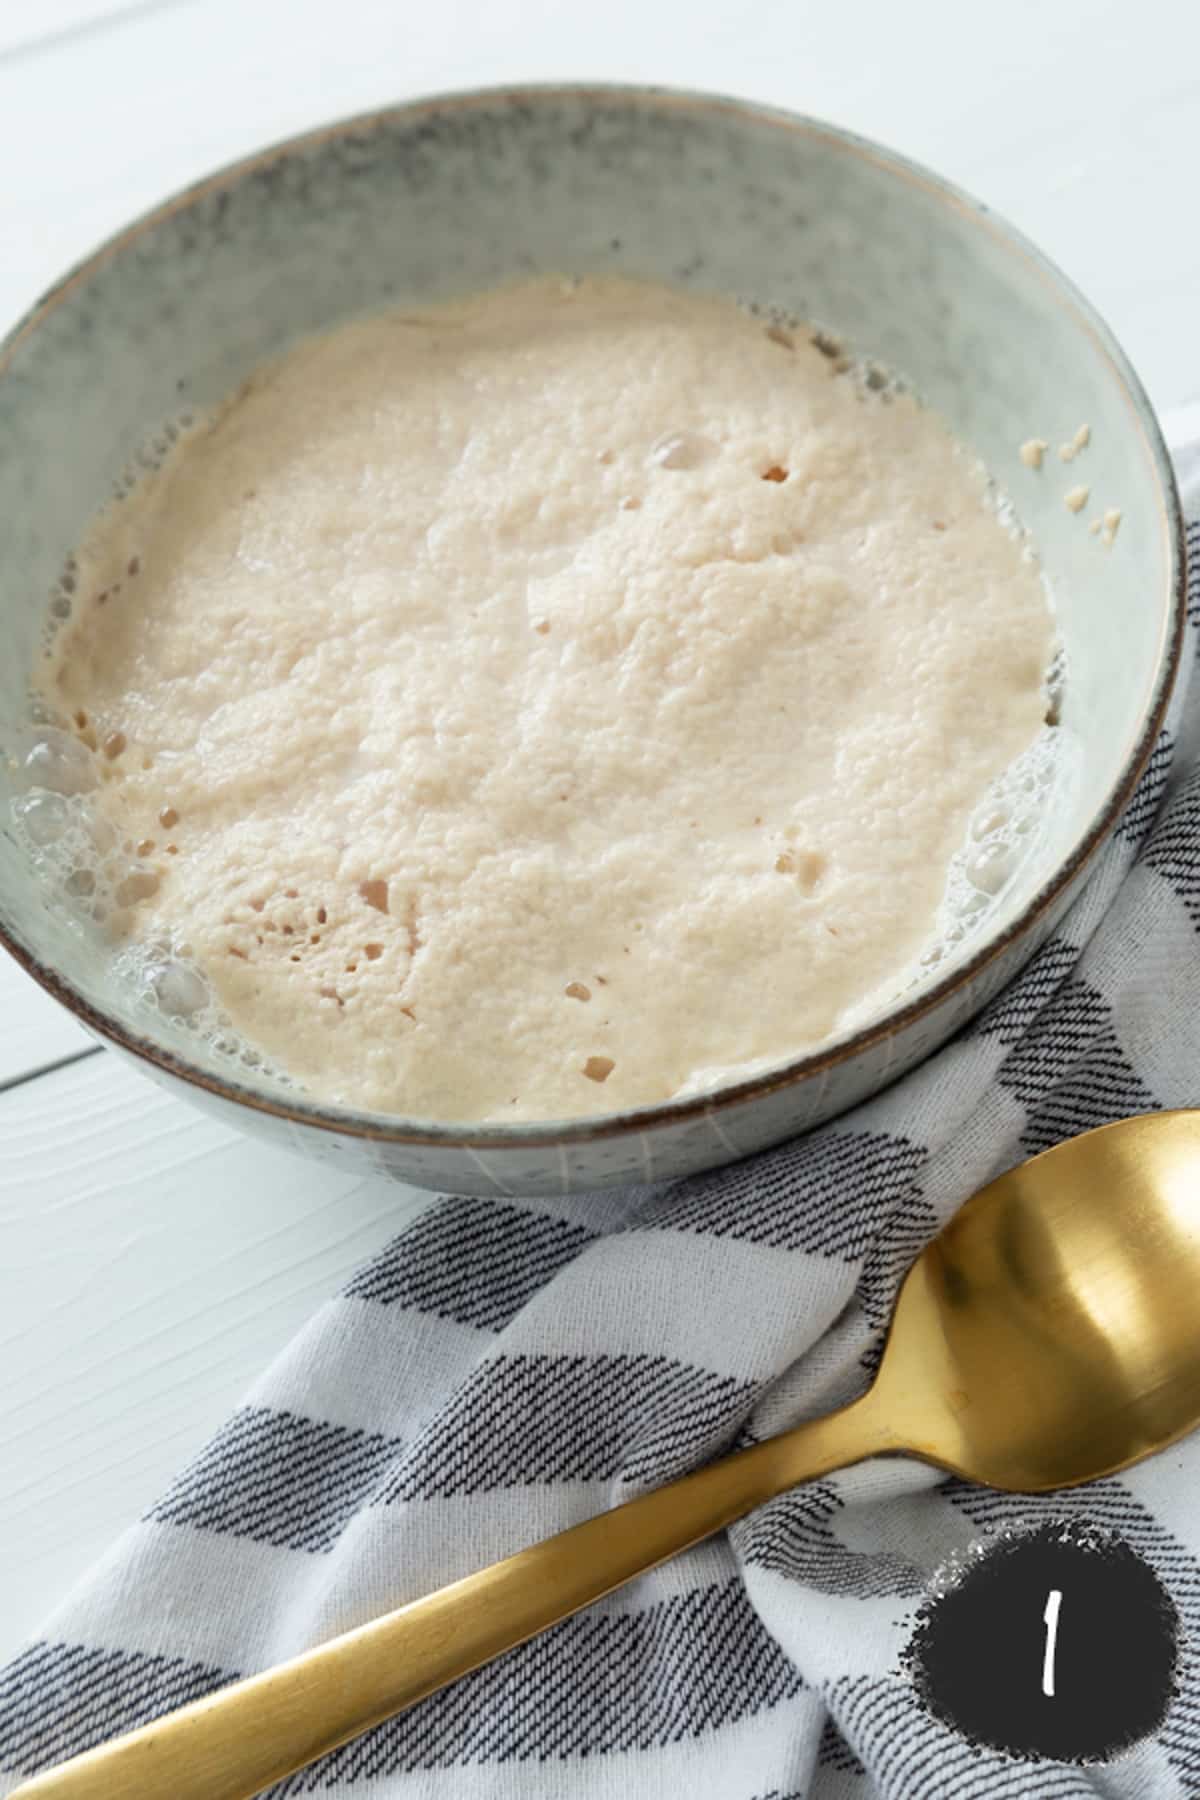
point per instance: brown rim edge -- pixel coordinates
(380, 1128)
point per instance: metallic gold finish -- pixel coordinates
(1048, 1336)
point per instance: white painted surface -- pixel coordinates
(153, 1262)
(150, 1262)
(35, 1030)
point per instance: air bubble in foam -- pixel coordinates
(44, 817)
(991, 866)
(180, 989)
(72, 849)
(1004, 831)
(683, 450)
(176, 997)
(57, 762)
(169, 983)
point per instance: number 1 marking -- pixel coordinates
(1050, 1616)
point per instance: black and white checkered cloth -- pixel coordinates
(503, 1370)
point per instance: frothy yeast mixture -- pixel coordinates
(519, 710)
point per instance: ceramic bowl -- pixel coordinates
(459, 193)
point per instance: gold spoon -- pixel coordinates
(1049, 1335)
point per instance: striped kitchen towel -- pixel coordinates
(504, 1369)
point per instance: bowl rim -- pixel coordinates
(488, 1135)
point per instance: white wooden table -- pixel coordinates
(151, 1261)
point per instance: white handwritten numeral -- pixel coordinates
(1050, 1616)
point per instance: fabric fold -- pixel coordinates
(505, 1369)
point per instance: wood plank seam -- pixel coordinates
(51, 1068)
(86, 28)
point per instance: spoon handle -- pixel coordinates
(239, 1740)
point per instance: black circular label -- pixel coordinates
(1059, 1642)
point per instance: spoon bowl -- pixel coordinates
(1047, 1336)
(1050, 1334)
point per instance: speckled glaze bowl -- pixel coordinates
(459, 193)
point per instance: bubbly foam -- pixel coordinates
(1004, 832)
(100, 879)
(75, 852)
(662, 565)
